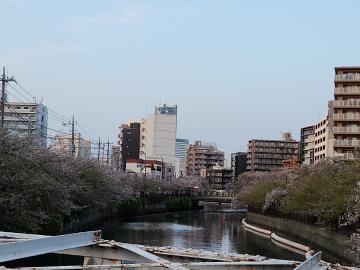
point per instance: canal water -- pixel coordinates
(217, 230)
(214, 231)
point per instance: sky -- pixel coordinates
(237, 70)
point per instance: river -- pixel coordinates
(215, 231)
(219, 231)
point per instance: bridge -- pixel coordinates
(105, 254)
(224, 197)
(218, 199)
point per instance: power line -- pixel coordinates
(51, 116)
(22, 88)
(20, 93)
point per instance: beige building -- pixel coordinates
(82, 147)
(323, 141)
(316, 142)
(345, 111)
(202, 156)
(268, 155)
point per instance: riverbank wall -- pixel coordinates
(325, 239)
(88, 219)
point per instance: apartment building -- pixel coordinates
(346, 112)
(217, 177)
(202, 156)
(238, 163)
(307, 145)
(267, 155)
(80, 148)
(27, 119)
(323, 141)
(129, 142)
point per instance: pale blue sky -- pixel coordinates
(237, 69)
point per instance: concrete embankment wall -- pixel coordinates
(331, 242)
(89, 219)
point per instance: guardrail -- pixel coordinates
(273, 236)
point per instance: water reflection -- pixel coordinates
(215, 231)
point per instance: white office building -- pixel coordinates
(158, 134)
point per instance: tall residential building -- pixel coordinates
(307, 145)
(202, 156)
(27, 119)
(129, 142)
(160, 134)
(238, 163)
(267, 155)
(82, 147)
(180, 154)
(346, 111)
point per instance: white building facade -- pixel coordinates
(158, 134)
(27, 119)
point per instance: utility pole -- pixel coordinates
(99, 150)
(4, 80)
(107, 153)
(73, 136)
(29, 127)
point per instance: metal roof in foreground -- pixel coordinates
(105, 254)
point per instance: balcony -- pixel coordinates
(351, 90)
(346, 143)
(346, 130)
(347, 77)
(347, 117)
(347, 103)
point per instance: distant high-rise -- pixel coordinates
(160, 131)
(27, 119)
(267, 155)
(180, 154)
(202, 156)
